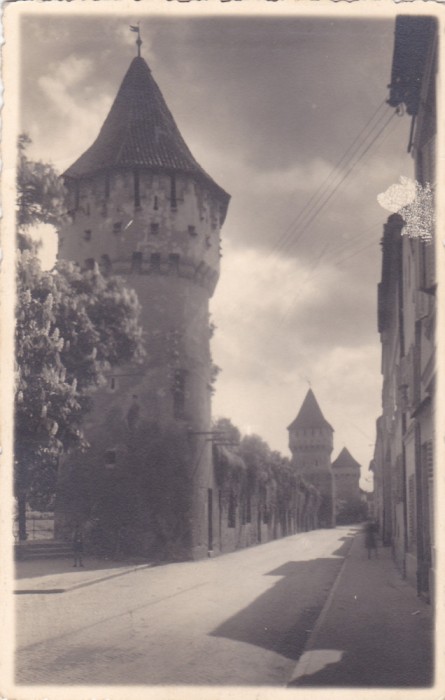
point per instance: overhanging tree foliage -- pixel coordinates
(71, 327)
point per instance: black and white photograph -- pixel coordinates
(221, 259)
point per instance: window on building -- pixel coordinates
(154, 229)
(155, 262)
(231, 515)
(136, 262)
(192, 231)
(173, 199)
(137, 193)
(156, 203)
(89, 264)
(117, 227)
(87, 234)
(113, 383)
(179, 393)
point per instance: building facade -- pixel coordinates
(311, 444)
(404, 456)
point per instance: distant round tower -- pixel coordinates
(311, 444)
(143, 208)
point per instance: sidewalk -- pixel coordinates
(59, 575)
(372, 632)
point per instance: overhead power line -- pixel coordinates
(333, 171)
(337, 176)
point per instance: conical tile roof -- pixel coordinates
(140, 132)
(345, 459)
(310, 415)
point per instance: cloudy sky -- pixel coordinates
(269, 107)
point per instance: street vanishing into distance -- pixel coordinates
(242, 618)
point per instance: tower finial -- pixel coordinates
(135, 28)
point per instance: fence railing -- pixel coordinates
(38, 527)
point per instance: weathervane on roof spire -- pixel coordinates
(135, 28)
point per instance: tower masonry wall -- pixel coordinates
(347, 483)
(311, 457)
(162, 234)
(149, 221)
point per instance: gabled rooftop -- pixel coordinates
(310, 415)
(345, 459)
(140, 132)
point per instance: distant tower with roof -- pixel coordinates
(142, 207)
(311, 444)
(346, 472)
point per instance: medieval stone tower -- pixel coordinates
(346, 473)
(310, 441)
(143, 208)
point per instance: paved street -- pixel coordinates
(242, 618)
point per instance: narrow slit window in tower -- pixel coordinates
(117, 227)
(154, 229)
(137, 194)
(173, 200)
(136, 262)
(156, 203)
(105, 264)
(87, 235)
(192, 231)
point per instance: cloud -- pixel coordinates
(66, 91)
(69, 72)
(274, 336)
(264, 105)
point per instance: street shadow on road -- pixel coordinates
(282, 618)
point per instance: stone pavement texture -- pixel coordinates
(373, 630)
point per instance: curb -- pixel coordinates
(92, 582)
(305, 659)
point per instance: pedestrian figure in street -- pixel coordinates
(371, 538)
(77, 545)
